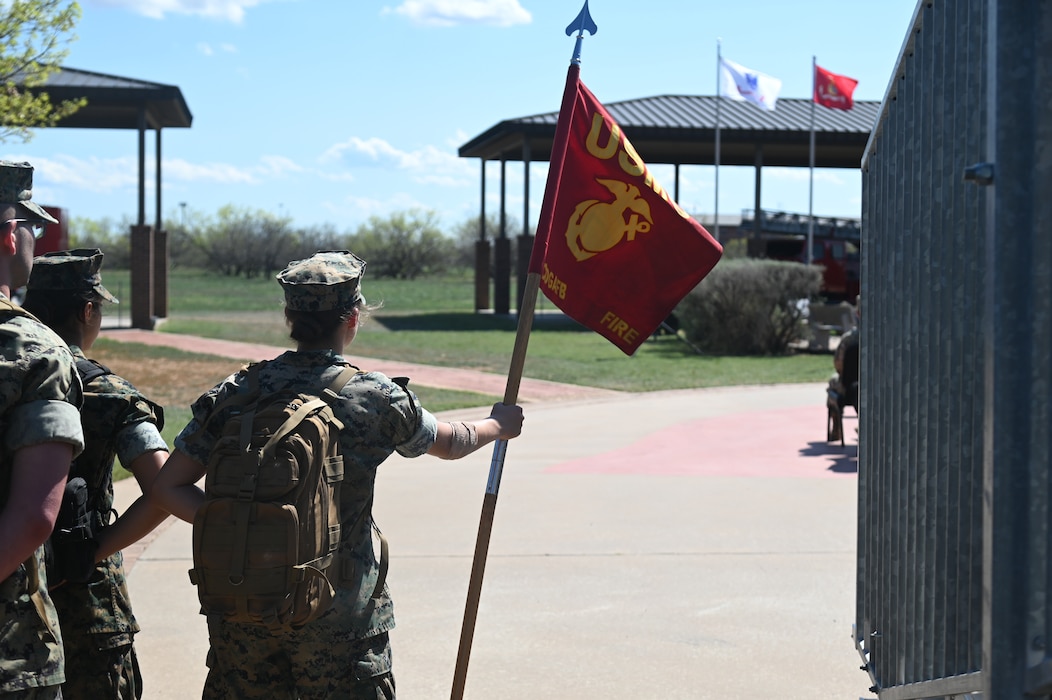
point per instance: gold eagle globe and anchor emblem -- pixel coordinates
(596, 226)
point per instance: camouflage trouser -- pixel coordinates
(102, 674)
(246, 662)
(50, 692)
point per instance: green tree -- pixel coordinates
(405, 245)
(107, 234)
(245, 242)
(33, 37)
(466, 234)
(311, 239)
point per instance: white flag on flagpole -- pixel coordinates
(744, 85)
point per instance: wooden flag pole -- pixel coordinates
(489, 501)
(582, 23)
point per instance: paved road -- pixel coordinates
(683, 544)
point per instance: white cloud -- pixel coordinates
(227, 10)
(356, 151)
(276, 166)
(206, 49)
(98, 175)
(221, 173)
(450, 13)
(428, 165)
(106, 175)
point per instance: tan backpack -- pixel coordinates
(266, 536)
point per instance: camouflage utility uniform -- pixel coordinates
(345, 653)
(96, 617)
(39, 396)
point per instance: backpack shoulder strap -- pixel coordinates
(6, 305)
(90, 369)
(348, 567)
(332, 392)
(244, 395)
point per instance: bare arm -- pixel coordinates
(142, 516)
(38, 477)
(504, 423)
(175, 488)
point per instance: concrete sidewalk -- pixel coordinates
(683, 544)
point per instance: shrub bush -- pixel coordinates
(749, 307)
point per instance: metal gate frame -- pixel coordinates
(955, 449)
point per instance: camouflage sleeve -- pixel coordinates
(135, 420)
(136, 440)
(39, 422)
(424, 437)
(415, 428)
(48, 391)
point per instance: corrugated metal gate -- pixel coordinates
(954, 565)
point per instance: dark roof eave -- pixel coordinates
(116, 103)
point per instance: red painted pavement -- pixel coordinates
(785, 442)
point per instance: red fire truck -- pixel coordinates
(56, 237)
(835, 246)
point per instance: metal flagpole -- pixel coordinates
(719, 100)
(811, 192)
(582, 23)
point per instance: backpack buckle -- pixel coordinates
(247, 490)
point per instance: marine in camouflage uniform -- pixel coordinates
(39, 399)
(118, 422)
(97, 620)
(341, 648)
(346, 652)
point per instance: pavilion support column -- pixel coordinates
(160, 243)
(482, 252)
(160, 274)
(157, 182)
(142, 268)
(502, 267)
(758, 214)
(525, 240)
(141, 220)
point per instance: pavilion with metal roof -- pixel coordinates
(681, 130)
(114, 102)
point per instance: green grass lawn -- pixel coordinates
(431, 321)
(428, 321)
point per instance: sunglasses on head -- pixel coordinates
(37, 226)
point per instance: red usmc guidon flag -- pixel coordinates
(613, 250)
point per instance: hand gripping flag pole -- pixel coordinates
(582, 23)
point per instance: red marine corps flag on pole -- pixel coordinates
(832, 90)
(613, 250)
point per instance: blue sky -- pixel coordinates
(332, 111)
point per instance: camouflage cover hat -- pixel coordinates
(70, 270)
(16, 187)
(326, 281)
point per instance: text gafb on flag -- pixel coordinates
(620, 252)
